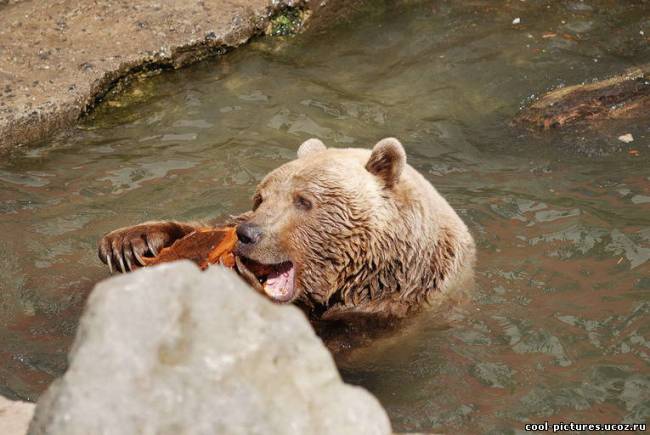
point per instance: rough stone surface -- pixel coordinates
(171, 350)
(14, 416)
(57, 58)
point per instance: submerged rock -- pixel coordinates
(172, 350)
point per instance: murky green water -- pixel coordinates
(559, 328)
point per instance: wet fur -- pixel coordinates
(380, 242)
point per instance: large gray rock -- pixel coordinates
(172, 350)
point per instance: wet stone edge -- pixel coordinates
(280, 19)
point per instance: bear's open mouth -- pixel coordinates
(277, 281)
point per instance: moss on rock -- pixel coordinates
(289, 21)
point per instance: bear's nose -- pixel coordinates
(249, 234)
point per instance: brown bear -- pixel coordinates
(339, 232)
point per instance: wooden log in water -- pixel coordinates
(204, 247)
(623, 96)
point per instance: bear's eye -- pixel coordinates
(302, 203)
(257, 201)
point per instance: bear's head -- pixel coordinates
(317, 221)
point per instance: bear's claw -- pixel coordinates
(124, 250)
(153, 250)
(138, 257)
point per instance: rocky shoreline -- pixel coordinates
(57, 61)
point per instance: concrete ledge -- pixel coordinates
(57, 59)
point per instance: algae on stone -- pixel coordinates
(287, 22)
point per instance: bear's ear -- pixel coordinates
(310, 146)
(387, 161)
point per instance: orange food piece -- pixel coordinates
(204, 247)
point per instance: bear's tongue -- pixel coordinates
(279, 284)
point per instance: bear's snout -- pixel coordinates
(248, 233)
